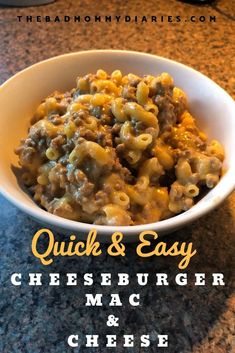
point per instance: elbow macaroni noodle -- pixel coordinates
(118, 150)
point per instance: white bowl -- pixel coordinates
(20, 95)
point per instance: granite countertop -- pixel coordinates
(198, 320)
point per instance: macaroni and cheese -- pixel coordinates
(118, 150)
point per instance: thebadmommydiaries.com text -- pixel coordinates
(154, 19)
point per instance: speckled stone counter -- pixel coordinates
(197, 319)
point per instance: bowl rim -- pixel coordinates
(161, 226)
